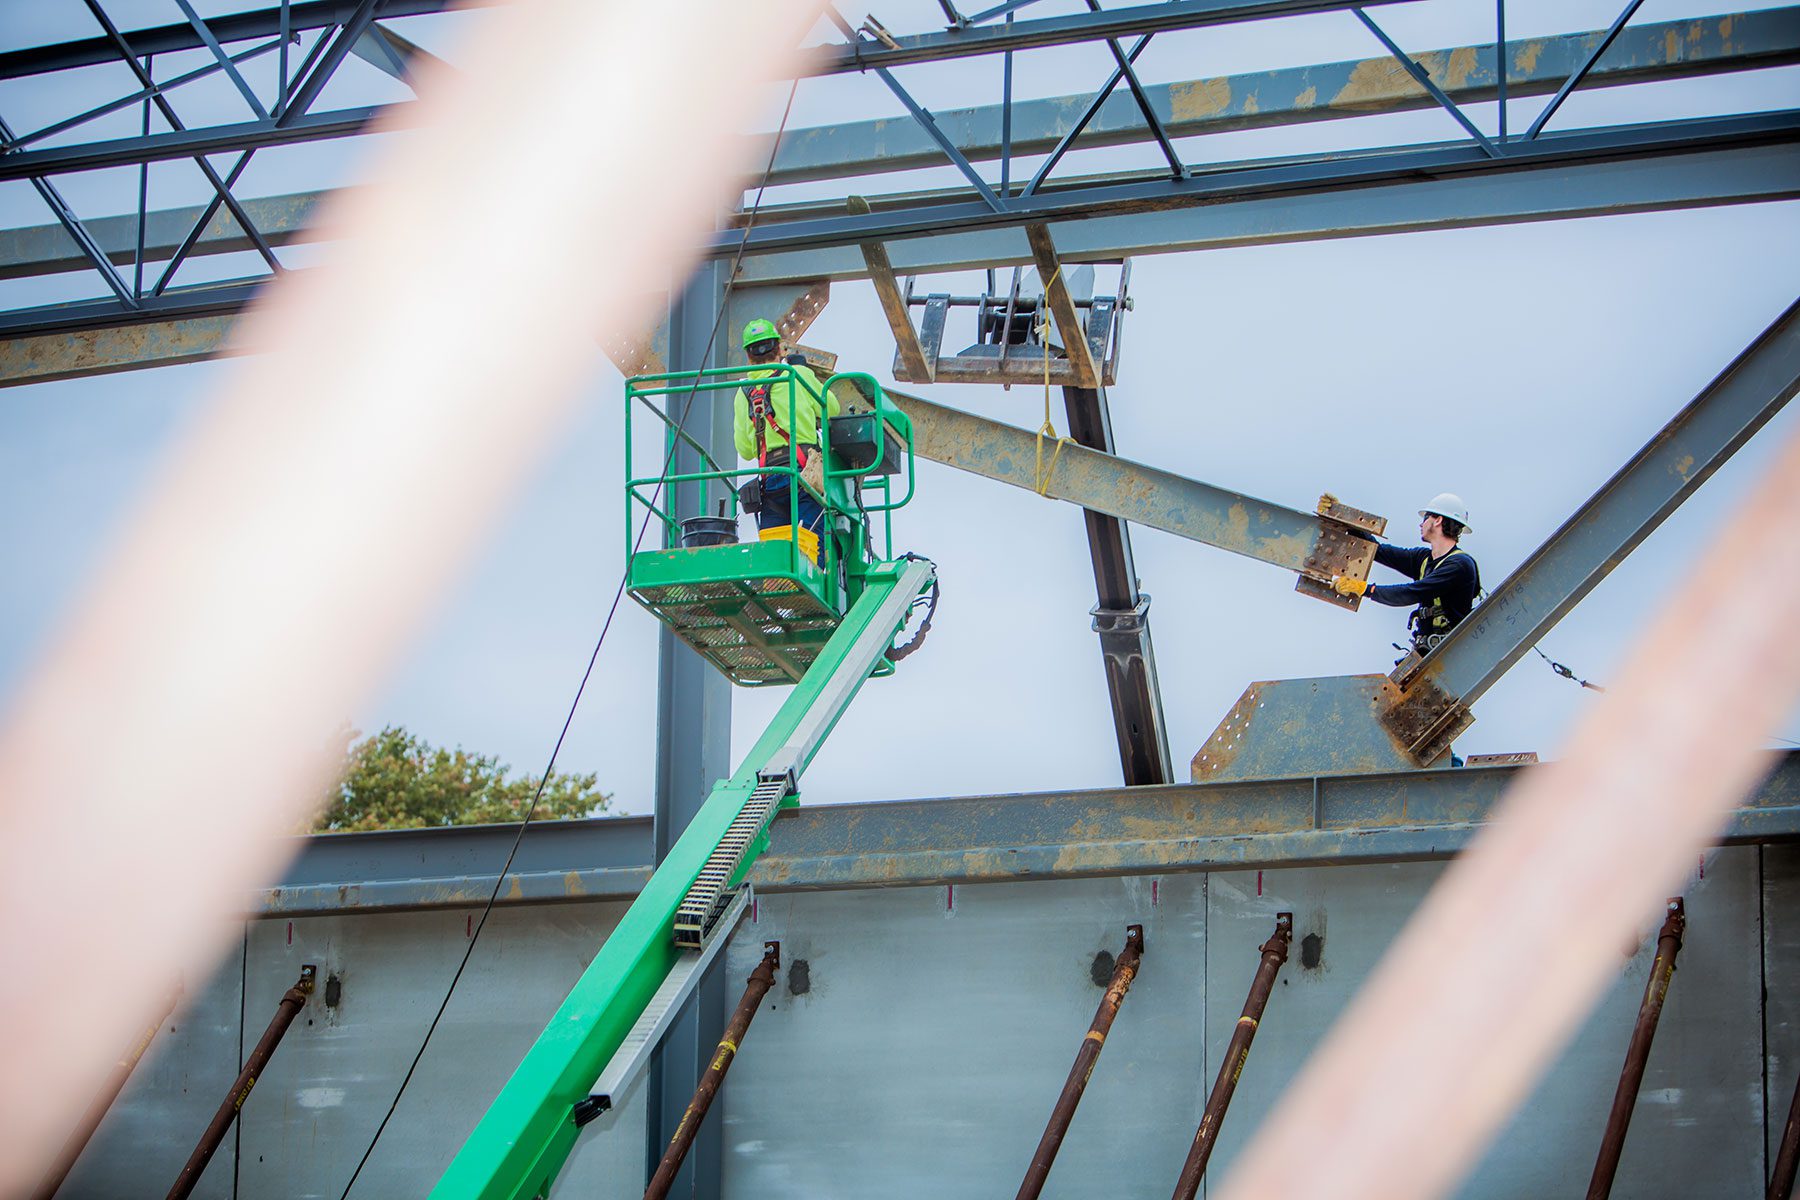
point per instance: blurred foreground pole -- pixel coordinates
(1496, 971)
(181, 721)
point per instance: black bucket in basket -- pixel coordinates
(708, 531)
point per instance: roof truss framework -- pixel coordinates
(1483, 177)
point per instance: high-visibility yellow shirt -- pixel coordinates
(806, 411)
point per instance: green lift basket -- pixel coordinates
(760, 610)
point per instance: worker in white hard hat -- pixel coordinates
(1442, 578)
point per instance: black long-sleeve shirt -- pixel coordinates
(1454, 578)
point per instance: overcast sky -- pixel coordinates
(1517, 366)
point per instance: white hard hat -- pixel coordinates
(1448, 504)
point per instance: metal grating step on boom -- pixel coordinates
(707, 900)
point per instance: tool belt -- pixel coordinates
(812, 474)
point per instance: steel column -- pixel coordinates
(285, 1012)
(1121, 615)
(1125, 969)
(694, 1118)
(1237, 1052)
(1637, 1054)
(693, 737)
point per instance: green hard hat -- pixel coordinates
(759, 330)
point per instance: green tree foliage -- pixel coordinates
(394, 780)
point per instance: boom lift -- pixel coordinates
(764, 613)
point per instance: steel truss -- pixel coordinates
(799, 242)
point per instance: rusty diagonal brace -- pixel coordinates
(1237, 1052)
(1124, 971)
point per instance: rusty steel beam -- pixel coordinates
(96, 1112)
(285, 1012)
(1125, 969)
(761, 979)
(1237, 1052)
(911, 360)
(1637, 1054)
(1314, 546)
(1062, 308)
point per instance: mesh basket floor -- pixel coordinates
(757, 631)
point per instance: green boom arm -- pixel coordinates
(529, 1130)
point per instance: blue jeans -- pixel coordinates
(777, 511)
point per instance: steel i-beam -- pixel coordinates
(1316, 545)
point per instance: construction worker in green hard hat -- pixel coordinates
(775, 423)
(1442, 578)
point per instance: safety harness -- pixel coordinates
(762, 408)
(1430, 623)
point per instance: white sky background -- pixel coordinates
(1518, 366)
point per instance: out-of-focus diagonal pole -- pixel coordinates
(1125, 969)
(1637, 1054)
(77, 1141)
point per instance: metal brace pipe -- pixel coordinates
(761, 979)
(1237, 1052)
(1637, 1054)
(285, 1012)
(1125, 969)
(1787, 1157)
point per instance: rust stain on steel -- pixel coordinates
(1525, 57)
(101, 351)
(1375, 83)
(1199, 98)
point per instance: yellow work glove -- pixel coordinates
(1345, 585)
